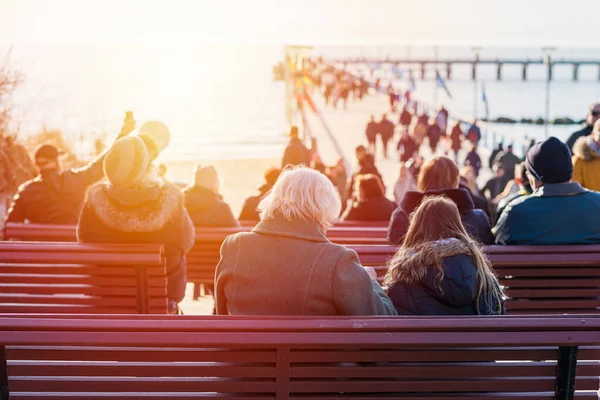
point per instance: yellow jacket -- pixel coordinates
(586, 165)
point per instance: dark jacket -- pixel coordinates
(408, 146)
(479, 201)
(54, 197)
(405, 118)
(476, 221)
(456, 295)
(371, 131)
(495, 186)
(474, 161)
(376, 209)
(386, 129)
(295, 154)
(555, 214)
(456, 137)
(287, 267)
(156, 218)
(250, 207)
(509, 161)
(207, 208)
(585, 131)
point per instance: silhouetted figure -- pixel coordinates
(371, 203)
(295, 153)
(386, 130)
(473, 160)
(371, 134)
(456, 138)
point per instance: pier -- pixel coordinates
(474, 63)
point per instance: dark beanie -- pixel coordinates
(550, 161)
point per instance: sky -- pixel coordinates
(318, 22)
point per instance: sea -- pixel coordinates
(220, 102)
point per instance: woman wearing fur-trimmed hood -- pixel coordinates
(137, 206)
(440, 270)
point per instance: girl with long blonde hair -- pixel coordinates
(440, 269)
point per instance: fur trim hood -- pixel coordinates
(431, 253)
(581, 149)
(460, 197)
(148, 216)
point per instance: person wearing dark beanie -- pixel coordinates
(559, 211)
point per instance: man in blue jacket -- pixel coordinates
(558, 211)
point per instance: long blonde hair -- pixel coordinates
(436, 232)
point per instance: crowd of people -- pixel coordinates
(286, 265)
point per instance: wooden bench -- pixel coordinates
(536, 279)
(42, 277)
(410, 358)
(204, 257)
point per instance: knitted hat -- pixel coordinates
(550, 161)
(156, 135)
(127, 162)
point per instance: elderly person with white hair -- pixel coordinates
(287, 266)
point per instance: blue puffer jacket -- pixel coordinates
(457, 294)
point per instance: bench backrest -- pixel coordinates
(309, 358)
(42, 277)
(536, 279)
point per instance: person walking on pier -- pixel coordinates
(593, 115)
(386, 130)
(441, 120)
(295, 153)
(473, 159)
(434, 133)
(371, 134)
(456, 138)
(495, 152)
(474, 133)
(509, 160)
(407, 146)
(405, 118)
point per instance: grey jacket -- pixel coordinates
(287, 267)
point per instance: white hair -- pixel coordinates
(302, 193)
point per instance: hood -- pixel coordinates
(148, 216)
(460, 197)
(583, 149)
(446, 253)
(199, 199)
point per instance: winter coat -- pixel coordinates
(287, 267)
(207, 208)
(54, 197)
(375, 209)
(434, 134)
(150, 216)
(495, 186)
(371, 131)
(296, 154)
(586, 165)
(408, 146)
(386, 129)
(456, 136)
(405, 118)
(509, 162)
(250, 207)
(555, 214)
(585, 131)
(456, 294)
(474, 161)
(476, 221)
(502, 204)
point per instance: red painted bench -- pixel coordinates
(42, 277)
(536, 279)
(171, 357)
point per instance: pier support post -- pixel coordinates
(499, 71)
(449, 71)
(474, 71)
(524, 75)
(598, 72)
(423, 71)
(550, 65)
(575, 72)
